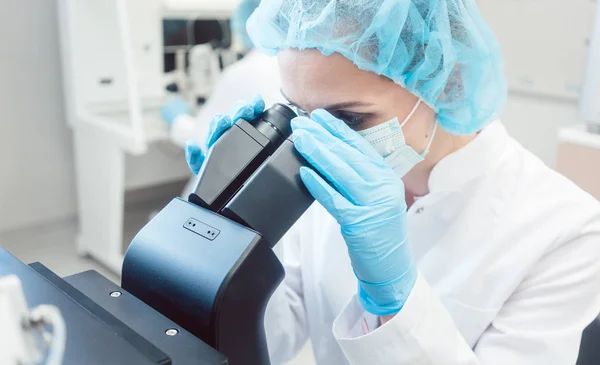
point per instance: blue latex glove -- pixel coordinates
(220, 123)
(173, 109)
(194, 156)
(367, 199)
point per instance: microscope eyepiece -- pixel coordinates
(275, 120)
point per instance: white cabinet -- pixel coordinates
(113, 56)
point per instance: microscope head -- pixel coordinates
(238, 154)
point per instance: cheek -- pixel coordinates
(418, 132)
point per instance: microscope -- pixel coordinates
(197, 278)
(208, 264)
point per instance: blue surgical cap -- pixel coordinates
(440, 50)
(240, 17)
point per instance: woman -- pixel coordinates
(438, 238)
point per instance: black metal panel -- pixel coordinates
(183, 348)
(120, 329)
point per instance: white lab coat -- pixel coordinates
(256, 73)
(509, 259)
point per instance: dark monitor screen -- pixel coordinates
(184, 32)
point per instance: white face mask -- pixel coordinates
(388, 139)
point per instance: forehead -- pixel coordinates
(311, 79)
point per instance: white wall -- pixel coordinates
(534, 121)
(36, 160)
(545, 46)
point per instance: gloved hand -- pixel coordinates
(173, 109)
(367, 199)
(220, 123)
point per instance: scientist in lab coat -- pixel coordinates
(256, 73)
(437, 238)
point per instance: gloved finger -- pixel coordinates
(327, 196)
(331, 165)
(258, 104)
(324, 135)
(247, 110)
(366, 167)
(194, 156)
(219, 124)
(341, 130)
(242, 111)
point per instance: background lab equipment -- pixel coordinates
(119, 56)
(199, 273)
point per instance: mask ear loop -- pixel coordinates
(435, 127)
(412, 112)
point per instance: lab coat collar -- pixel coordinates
(470, 162)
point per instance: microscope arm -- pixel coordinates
(214, 274)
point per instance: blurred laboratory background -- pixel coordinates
(86, 156)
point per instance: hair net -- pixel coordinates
(440, 50)
(240, 17)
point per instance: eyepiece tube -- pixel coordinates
(238, 154)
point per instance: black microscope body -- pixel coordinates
(208, 264)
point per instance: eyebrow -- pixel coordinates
(336, 106)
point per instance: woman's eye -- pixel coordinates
(351, 119)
